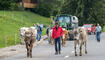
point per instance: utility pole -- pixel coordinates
(23, 3)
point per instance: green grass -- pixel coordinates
(104, 29)
(12, 21)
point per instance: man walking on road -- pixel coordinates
(57, 35)
(98, 32)
(47, 33)
(39, 32)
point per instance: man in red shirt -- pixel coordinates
(57, 36)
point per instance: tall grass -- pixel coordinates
(104, 29)
(12, 21)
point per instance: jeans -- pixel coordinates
(38, 36)
(98, 36)
(58, 44)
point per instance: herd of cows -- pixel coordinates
(28, 37)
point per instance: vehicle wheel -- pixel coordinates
(94, 33)
(91, 33)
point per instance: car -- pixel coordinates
(90, 28)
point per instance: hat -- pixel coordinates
(56, 23)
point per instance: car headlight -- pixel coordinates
(89, 28)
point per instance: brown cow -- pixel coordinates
(29, 41)
(65, 37)
(80, 37)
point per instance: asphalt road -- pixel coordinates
(96, 51)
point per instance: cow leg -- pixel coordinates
(31, 53)
(52, 42)
(28, 53)
(85, 48)
(49, 40)
(81, 48)
(62, 42)
(75, 44)
(65, 42)
(31, 50)
(27, 50)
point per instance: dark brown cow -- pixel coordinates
(29, 41)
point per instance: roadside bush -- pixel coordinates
(16, 7)
(10, 5)
(104, 29)
(43, 9)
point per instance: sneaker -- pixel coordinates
(59, 52)
(56, 53)
(98, 40)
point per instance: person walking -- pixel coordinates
(98, 32)
(39, 32)
(47, 33)
(57, 35)
(35, 26)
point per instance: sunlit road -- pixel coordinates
(96, 51)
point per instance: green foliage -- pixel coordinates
(104, 29)
(10, 5)
(88, 11)
(43, 9)
(16, 7)
(49, 7)
(5, 4)
(12, 21)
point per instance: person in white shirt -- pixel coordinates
(98, 32)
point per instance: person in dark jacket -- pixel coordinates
(57, 35)
(39, 32)
(47, 33)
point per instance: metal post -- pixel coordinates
(15, 38)
(22, 18)
(23, 3)
(4, 12)
(5, 38)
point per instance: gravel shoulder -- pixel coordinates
(13, 50)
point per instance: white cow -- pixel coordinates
(80, 37)
(34, 30)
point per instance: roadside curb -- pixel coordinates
(13, 50)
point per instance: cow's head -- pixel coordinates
(28, 34)
(76, 34)
(23, 30)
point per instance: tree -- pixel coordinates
(5, 4)
(88, 11)
(49, 7)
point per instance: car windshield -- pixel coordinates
(65, 19)
(87, 26)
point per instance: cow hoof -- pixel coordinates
(52, 44)
(62, 45)
(75, 54)
(31, 57)
(27, 56)
(80, 55)
(85, 52)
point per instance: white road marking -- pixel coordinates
(66, 56)
(72, 52)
